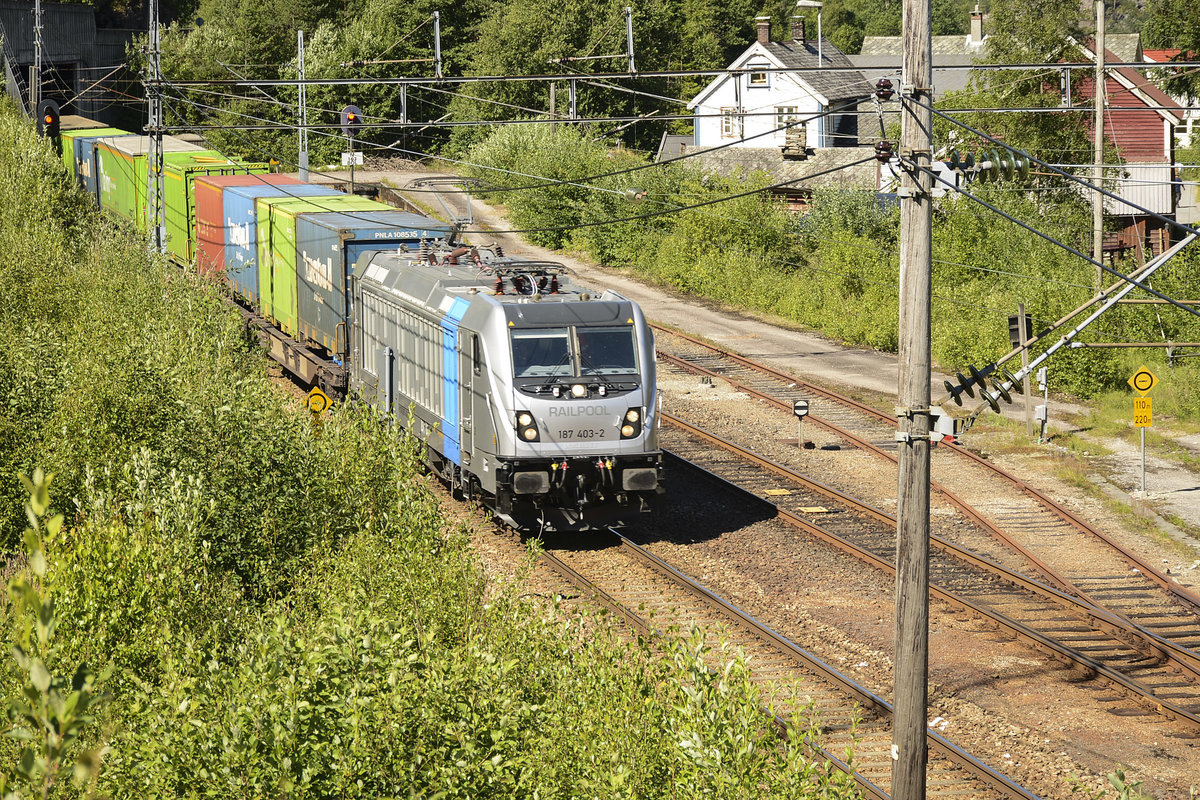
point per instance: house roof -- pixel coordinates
(831, 85)
(828, 86)
(1137, 83)
(672, 145)
(1160, 56)
(942, 46)
(1122, 47)
(832, 166)
(881, 55)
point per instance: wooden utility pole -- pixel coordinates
(909, 749)
(1098, 148)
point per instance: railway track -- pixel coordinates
(653, 596)
(1156, 674)
(1027, 532)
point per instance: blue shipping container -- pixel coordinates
(241, 230)
(328, 244)
(85, 159)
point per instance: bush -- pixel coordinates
(836, 268)
(271, 608)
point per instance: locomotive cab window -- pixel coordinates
(541, 353)
(606, 351)
(573, 352)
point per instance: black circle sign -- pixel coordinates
(1143, 380)
(317, 401)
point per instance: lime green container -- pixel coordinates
(277, 269)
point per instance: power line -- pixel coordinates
(642, 74)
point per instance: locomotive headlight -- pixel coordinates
(526, 427)
(631, 426)
(579, 390)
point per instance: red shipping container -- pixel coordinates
(210, 215)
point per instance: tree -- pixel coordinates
(1174, 24)
(533, 37)
(1023, 32)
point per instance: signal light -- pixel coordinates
(49, 119)
(351, 120)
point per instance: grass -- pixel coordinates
(1076, 472)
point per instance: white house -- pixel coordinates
(750, 103)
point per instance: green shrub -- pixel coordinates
(281, 609)
(836, 267)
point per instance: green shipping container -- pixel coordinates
(121, 175)
(67, 140)
(180, 171)
(277, 269)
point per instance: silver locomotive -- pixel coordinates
(532, 394)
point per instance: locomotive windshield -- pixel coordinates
(573, 352)
(606, 351)
(541, 353)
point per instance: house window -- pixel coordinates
(785, 115)
(731, 124)
(755, 79)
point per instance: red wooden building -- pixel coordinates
(1139, 122)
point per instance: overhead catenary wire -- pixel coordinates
(321, 130)
(1067, 247)
(645, 74)
(580, 183)
(731, 143)
(698, 205)
(1063, 173)
(647, 166)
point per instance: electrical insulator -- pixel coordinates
(883, 150)
(883, 89)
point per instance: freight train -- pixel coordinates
(532, 394)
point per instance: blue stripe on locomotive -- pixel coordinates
(450, 322)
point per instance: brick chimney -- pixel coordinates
(976, 25)
(798, 29)
(763, 24)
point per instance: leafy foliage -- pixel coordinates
(276, 611)
(51, 712)
(1172, 24)
(835, 268)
